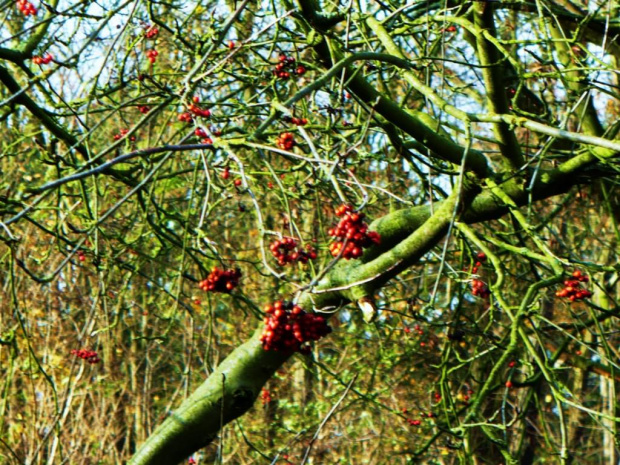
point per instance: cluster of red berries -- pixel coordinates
(464, 398)
(151, 32)
(122, 133)
(220, 280)
(44, 60)
(286, 251)
(287, 66)
(89, 355)
(194, 110)
(265, 396)
(352, 233)
(151, 55)
(572, 288)
(289, 328)
(285, 141)
(413, 422)
(295, 121)
(197, 111)
(418, 330)
(482, 257)
(199, 132)
(27, 8)
(185, 117)
(479, 287)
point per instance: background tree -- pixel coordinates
(184, 203)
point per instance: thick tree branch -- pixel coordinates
(493, 74)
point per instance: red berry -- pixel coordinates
(151, 32)
(221, 280)
(44, 60)
(572, 287)
(352, 231)
(151, 55)
(27, 8)
(285, 141)
(89, 355)
(185, 117)
(289, 328)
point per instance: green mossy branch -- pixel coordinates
(228, 393)
(402, 255)
(419, 86)
(494, 80)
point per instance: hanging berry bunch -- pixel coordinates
(285, 141)
(287, 66)
(194, 110)
(122, 133)
(572, 288)
(286, 250)
(351, 234)
(479, 287)
(151, 32)
(289, 328)
(151, 55)
(294, 120)
(221, 280)
(89, 355)
(44, 60)
(27, 8)
(265, 396)
(205, 139)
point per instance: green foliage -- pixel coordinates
(479, 139)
